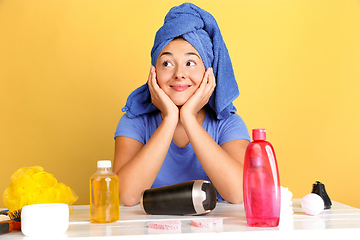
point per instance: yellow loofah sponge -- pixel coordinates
(32, 185)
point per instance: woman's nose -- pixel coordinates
(180, 73)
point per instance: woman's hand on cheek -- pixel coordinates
(201, 96)
(159, 97)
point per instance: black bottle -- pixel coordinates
(319, 189)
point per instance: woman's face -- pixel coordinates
(179, 70)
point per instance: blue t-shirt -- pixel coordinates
(181, 163)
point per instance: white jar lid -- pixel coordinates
(44, 219)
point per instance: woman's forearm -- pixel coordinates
(222, 164)
(138, 166)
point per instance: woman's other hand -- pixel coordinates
(159, 97)
(201, 96)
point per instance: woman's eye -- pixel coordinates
(190, 63)
(167, 64)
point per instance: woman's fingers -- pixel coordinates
(201, 97)
(153, 86)
(159, 97)
(208, 84)
(152, 79)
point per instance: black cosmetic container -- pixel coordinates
(188, 198)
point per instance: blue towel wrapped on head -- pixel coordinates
(200, 29)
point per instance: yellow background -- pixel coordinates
(67, 67)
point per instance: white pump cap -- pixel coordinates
(104, 164)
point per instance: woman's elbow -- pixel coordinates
(235, 199)
(129, 201)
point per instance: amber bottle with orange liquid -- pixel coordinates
(104, 194)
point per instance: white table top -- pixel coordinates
(133, 224)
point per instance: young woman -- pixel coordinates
(182, 125)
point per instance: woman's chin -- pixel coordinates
(178, 103)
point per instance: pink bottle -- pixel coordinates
(261, 183)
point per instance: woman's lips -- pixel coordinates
(180, 87)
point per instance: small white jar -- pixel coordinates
(44, 219)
